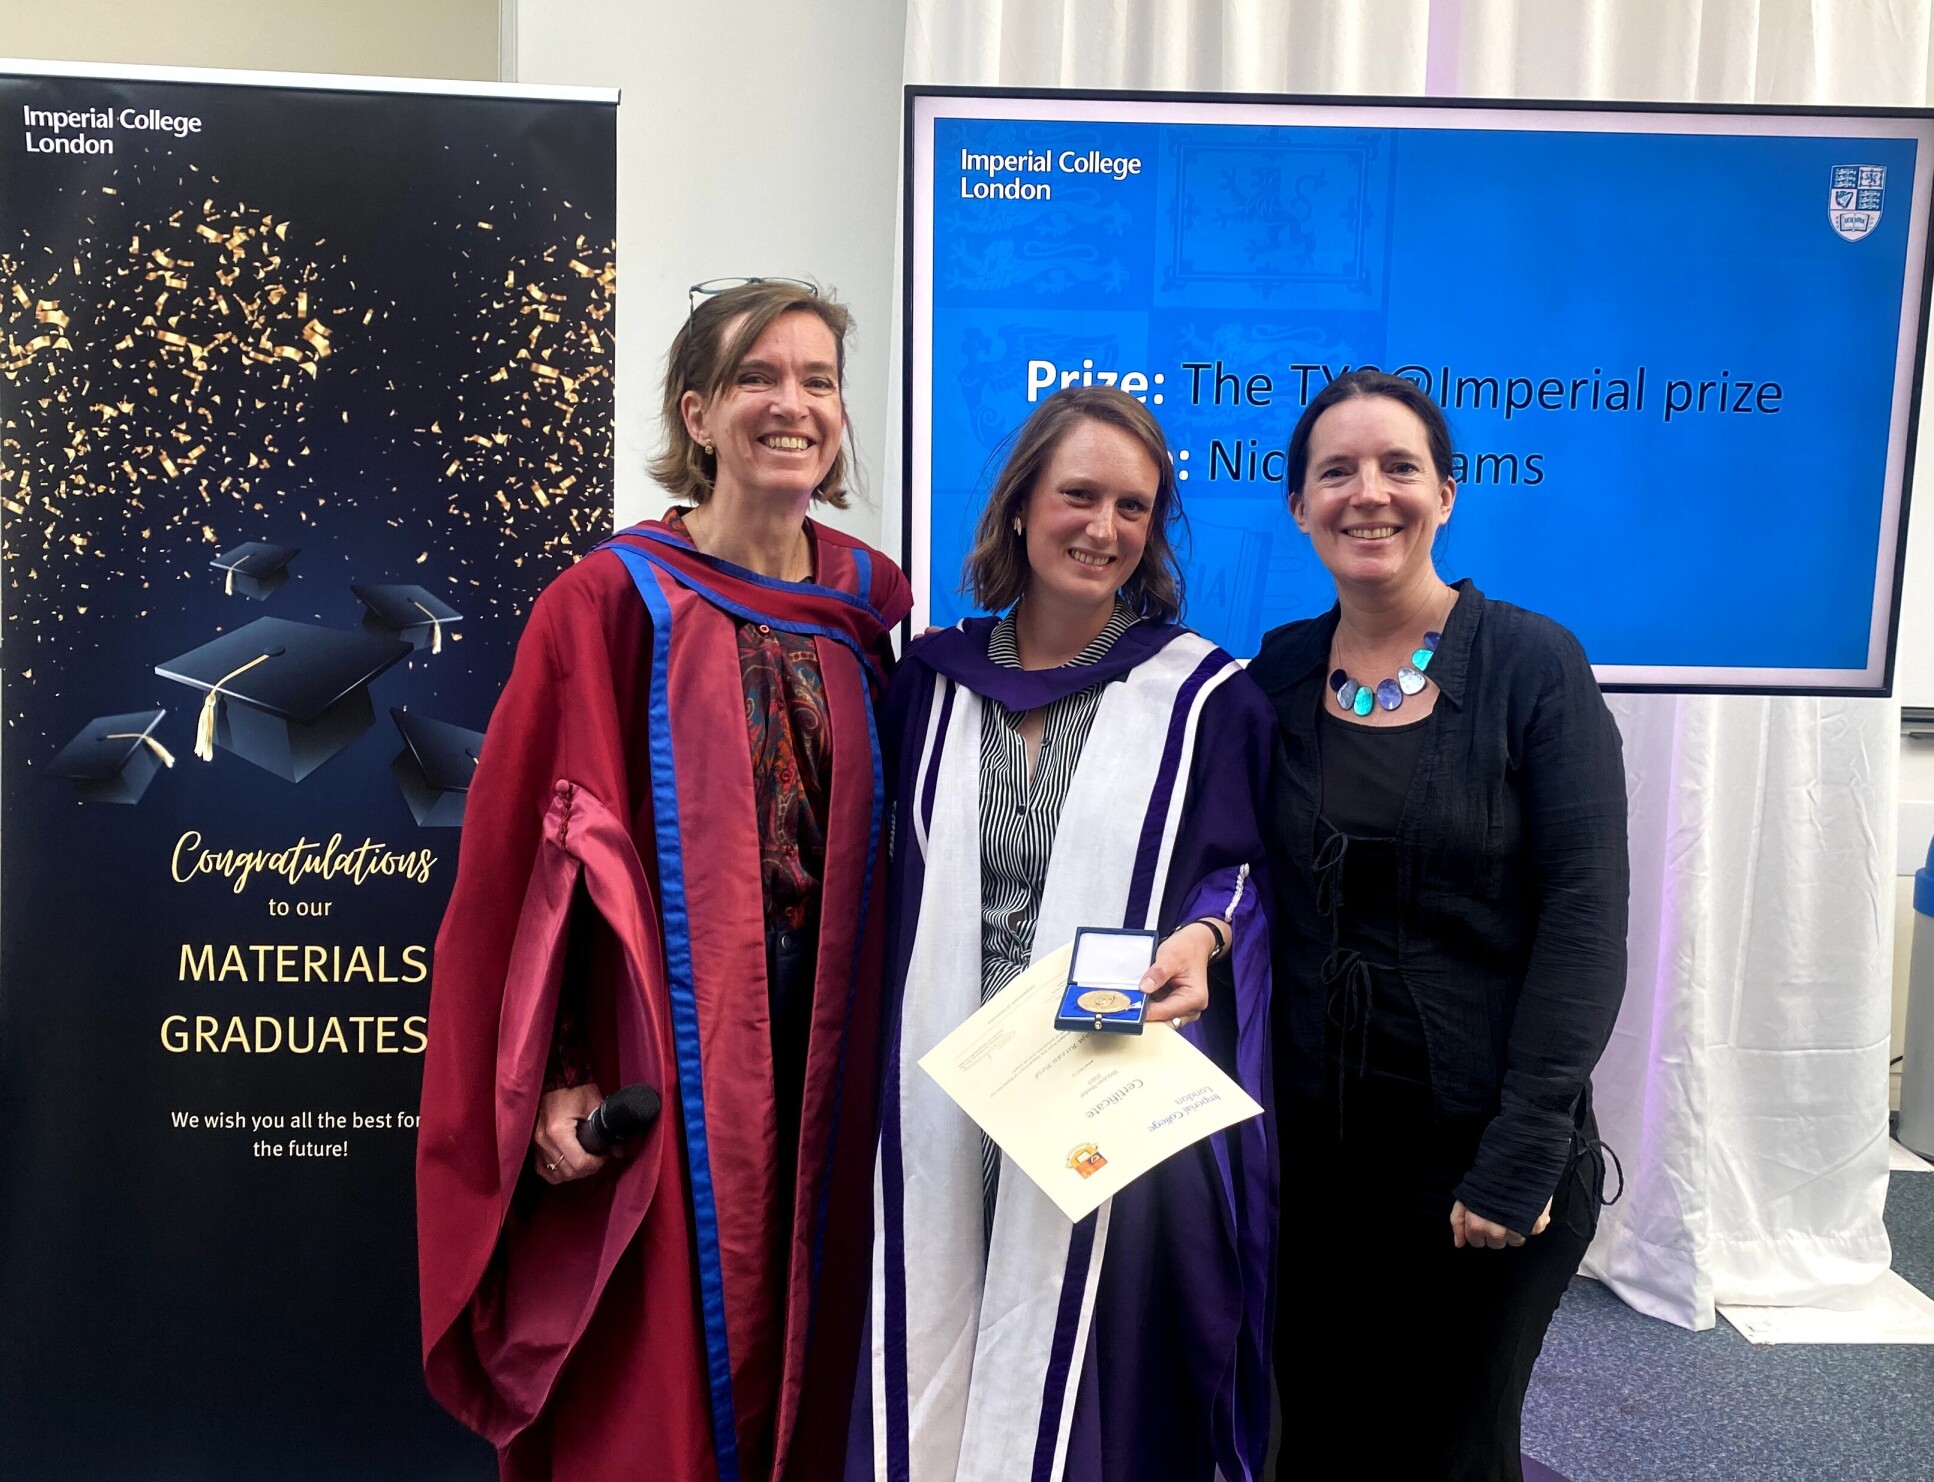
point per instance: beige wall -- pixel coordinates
(756, 137)
(384, 38)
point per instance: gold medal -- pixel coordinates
(1104, 1001)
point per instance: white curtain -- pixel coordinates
(1745, 1088)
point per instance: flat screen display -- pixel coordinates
(1679, 351)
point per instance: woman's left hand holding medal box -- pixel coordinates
(1104, 991)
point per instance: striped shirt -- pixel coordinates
(1018, 813)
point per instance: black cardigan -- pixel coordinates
(1512, 878)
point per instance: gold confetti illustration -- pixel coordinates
(183, 378)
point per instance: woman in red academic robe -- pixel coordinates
(668, 875)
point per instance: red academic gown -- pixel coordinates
(655, 1321)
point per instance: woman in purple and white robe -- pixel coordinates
(1081, 761)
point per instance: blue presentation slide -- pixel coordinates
(1676, 365)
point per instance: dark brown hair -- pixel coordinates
(701, 359)
(1370, 383)
(996, 569)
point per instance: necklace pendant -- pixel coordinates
(1420, 660)
(1361, 699)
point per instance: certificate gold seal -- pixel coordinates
(1104, 1001)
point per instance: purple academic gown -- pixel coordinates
(1185, 1297)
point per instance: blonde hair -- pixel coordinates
(996, 569)
(702, 359)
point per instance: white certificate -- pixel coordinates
(1083, 1114)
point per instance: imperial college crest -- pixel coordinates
(1853, 204)
(1086, 1160)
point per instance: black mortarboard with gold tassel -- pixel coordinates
(286, 696)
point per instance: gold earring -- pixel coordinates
(1017, 525)
(708, 449)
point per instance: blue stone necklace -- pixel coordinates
(1361, 699)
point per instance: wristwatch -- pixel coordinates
(1219, 929)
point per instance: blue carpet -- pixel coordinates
(1618, 1397)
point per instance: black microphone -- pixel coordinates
(621, 1116)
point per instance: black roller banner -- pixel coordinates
(306, 393)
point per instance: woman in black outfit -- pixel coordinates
(1451, 878)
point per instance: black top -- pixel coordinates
(1511, 884)
(1366, 777)
(1375, 1041)
(1366, 773)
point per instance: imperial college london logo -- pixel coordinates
(1853, 205)
(1086, 1160)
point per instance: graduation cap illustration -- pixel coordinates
(434, 767)
(416, 614)
(255, 568)
(285, 696)
(114, 757)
